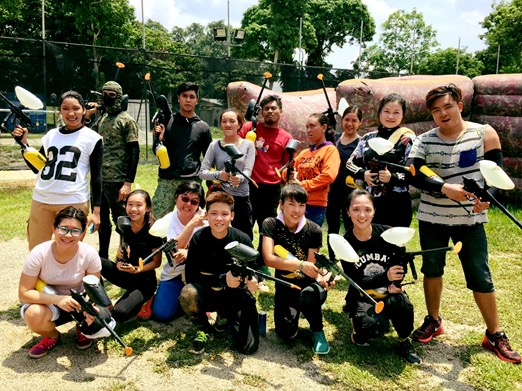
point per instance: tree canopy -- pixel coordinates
(404, 41)
(504, 29)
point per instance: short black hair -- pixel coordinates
(356, 193)
(450, 89)
(191, 187)
(270, 99)
(393, 98)
(294, 191)
(188, 86)
(70, 212)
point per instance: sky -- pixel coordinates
(452, 19)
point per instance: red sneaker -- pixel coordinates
(498, 343)
(82, 342)
(146, 310)
(430, 328)
(44, 346)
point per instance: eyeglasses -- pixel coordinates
(110, 94)
(76, 232)
(186, 199)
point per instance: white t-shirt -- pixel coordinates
(175, 228)
(63, 180)
(62, 276)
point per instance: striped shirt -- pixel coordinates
(451, 160)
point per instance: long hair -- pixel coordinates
(149, 218)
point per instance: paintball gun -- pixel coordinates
(399, 236)
(17, 116)
(241, 255)
(230, 165)
(323, 262)
(377, 164)
(98, 296)
(329, 112)
(162, 116)
(123, 224)
(290, 148)
(471, 185)
(253, 108)
(169, 246)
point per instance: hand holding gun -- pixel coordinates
(230, 165)
(89, 308)
(323, 262)
(253, 110)
(329, 112)
(169, 246)
(241, 255)
(22, 122)
(472, 186)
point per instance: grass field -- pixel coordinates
(456, 358)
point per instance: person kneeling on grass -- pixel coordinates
(377, 272)
(60, 263)
(302, 238)
(211, 286)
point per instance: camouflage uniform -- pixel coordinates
(118, 129)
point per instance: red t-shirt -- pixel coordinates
(270, 152)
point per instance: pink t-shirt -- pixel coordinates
(62, 276)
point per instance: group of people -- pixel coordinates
(335, 178)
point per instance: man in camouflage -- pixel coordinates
(121, 152)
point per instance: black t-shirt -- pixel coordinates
(207, 260)
(141, 244)
(376, 256)
(298, 244)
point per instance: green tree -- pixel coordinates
(444, 62)
(504, 26)
(337, 22)
(405, 39)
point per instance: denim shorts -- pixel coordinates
(473, 255)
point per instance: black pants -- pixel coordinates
(397, 308)
(335, 208)
(138, 289)
(289, 303)
(393, 209)
(243, 215)
(264, 201)
(109, 205)
(237, 305)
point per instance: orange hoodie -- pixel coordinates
(316, 170)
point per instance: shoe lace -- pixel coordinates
(201, 336)
(46, 343)
(429, 324)
(503, 343)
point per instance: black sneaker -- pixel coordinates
(356, 339)
(429, 329)
(220, 325)
(498, 343)
(200, 342)
(409, 353)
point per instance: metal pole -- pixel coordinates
(498, 58)
(44, 66)
(360, 43)
(228, 29)
(144, 93)
(458, 59)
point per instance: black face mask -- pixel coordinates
(108, 101)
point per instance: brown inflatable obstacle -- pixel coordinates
(498, 102)
(297, 106)
(367, 93)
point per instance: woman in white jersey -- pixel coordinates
(73, 152)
